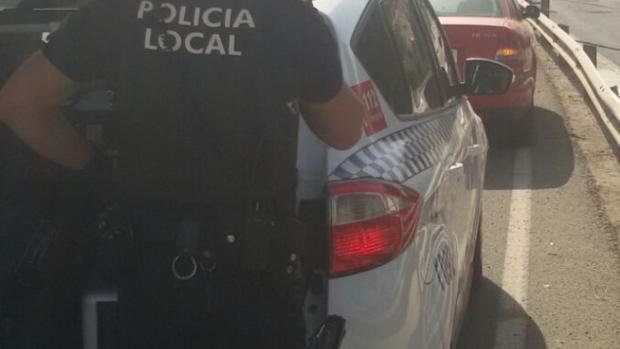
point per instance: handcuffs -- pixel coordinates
(206, 264)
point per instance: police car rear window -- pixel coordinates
(373, 47)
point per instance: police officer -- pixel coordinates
(205, 95)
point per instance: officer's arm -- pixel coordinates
(338, 122)
(29, 105)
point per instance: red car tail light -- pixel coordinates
(371, 222)
(509, 52)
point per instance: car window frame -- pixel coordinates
(449, 90)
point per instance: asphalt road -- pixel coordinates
(550, 241)
(596, 21)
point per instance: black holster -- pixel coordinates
(31, 239)
(271, 241)
(274, 244)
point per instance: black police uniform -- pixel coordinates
(203, 90)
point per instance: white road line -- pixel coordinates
(512, 328)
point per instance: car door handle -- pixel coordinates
(474, 150)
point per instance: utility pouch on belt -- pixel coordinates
(294, 235)
(257, 240)
(23, 265)
(113, 235)
(30, 266)
(270, 241)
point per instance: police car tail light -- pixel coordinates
(371, 222)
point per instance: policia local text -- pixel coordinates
(196, 42)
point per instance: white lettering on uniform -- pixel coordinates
(147, 40)
(145, 6)
(182, 19)
(188, 43)
(244, 17)
(227, 15)
(215, 43)
(165, 45)
(206, 17)
(231, 46)
(196, 16)
(172, 14)
(194, 41)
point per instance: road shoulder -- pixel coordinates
(591, 145)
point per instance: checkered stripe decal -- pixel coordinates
(400, 155)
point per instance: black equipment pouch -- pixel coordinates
(295, 237)
(271, 241)
(257, 240)
(113, 235)
(26, 273)
(31, 265)
(46, 256)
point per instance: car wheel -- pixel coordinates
(476, 280)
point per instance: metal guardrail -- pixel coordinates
(601, 95)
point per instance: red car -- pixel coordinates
(493, 29)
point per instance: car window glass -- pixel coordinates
(447, 71)
(372, 45)
(467, 8)
(414, 55)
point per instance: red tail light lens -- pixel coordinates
(510, 53)
(371, 222)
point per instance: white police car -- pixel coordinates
(405, 202)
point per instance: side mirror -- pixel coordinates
(531, 12)
(485, 77)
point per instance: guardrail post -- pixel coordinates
(590, 50)
(565, 28)
(614, 89)
(545, 8)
